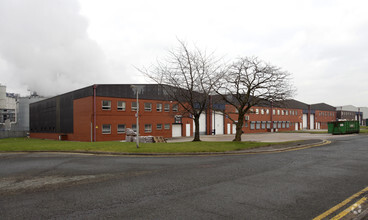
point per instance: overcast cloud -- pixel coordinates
(55, 46)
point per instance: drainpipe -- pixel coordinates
(271, 114)
(94, 112)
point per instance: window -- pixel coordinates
(159, 126)
(273, 112)
(267, 111)
(121, 128)
(263, 125)
(278, 112)
(121, 106)
(296, 112)
(134, 106)
(147, 128)
(106, 129)
(257, 111)
(258, 125)
(279, 124)
(275, 124)
(167, 126)
(159, 107)
(252, 125)
(148, 107)
(286, 112)
(287, 124)
(282, 112)
(134, 127)
(262, 111)
(268, 125)
(106, 105)
(167, 107)
(283, 124)
(175, 107)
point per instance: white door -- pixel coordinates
(187, 130)
(228, 128)
(218, 122)
(176, 130)
(234, 128)
(296, 126)
(311, 121)
(305, 121)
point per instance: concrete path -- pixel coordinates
(264, 137)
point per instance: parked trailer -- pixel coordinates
(343, 127)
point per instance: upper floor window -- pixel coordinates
(159, 107)
(148, 107)
(121, 106)
(278, 111)
(175, 107)
(167, 107)
(257, 111)
(134, 106)
(273, 111)
(106, 105)
(262, 111)
(267, 111)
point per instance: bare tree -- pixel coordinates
(249, 82)
(188, 76)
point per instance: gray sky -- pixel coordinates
(60, 45)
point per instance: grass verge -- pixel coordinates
(26, 144)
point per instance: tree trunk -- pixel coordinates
(196, 132)
(239, 127)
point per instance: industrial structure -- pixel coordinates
(104, 112)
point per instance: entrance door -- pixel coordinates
(312, 121)
(234, 128)
(187, 130)
(296, 126)
(305, 121)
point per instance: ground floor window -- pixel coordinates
(283, 124)
(252, 125)
(258, 125)
(147, 128)
(263, 125)
(121, 128)
(167, 126)
(279, 124)
(106, 129)
(134, 127)
(268, 125)
(159, 126)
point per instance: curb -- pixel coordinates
(243, 152)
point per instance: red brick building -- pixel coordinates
(104, 112)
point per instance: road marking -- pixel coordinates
(346, 211)
(338, 206)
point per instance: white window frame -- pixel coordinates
(147, 128)
(107, 106)
(106, 129)
(134, 108)
(147, 106)
(122, 105)
(168, 107)
(175, 107)
(122, 131)
(159, 127)
(159, 107)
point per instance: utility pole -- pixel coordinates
(137, 114)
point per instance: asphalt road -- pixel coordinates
(290, 185)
